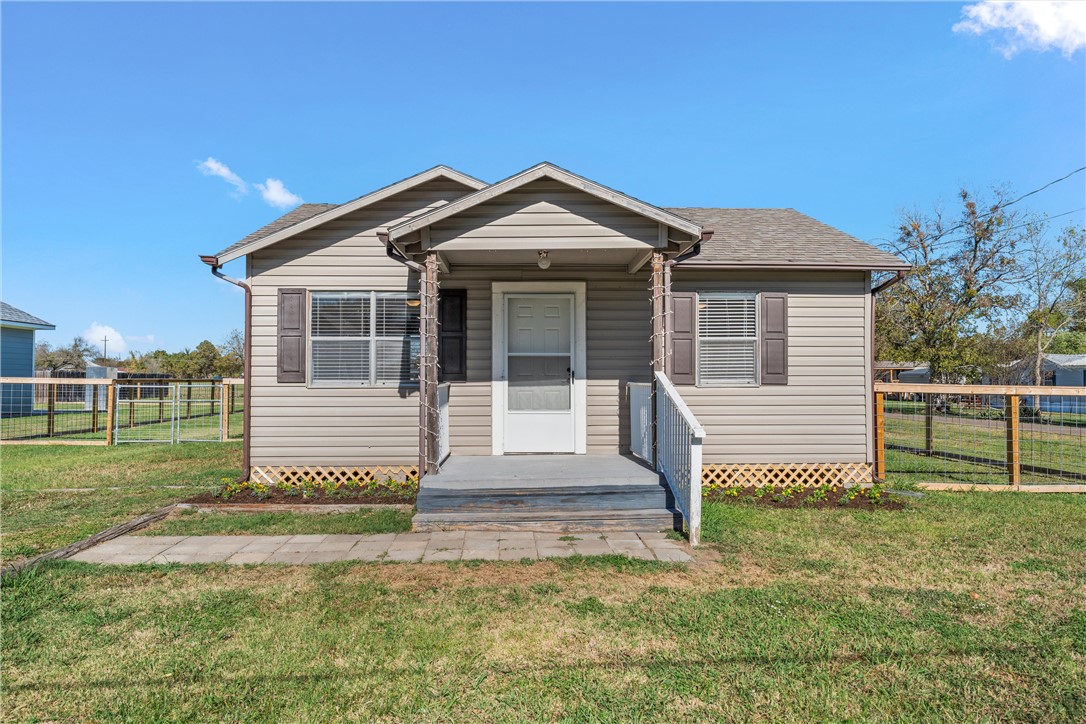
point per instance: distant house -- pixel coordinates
(889, 371)
(17, 329)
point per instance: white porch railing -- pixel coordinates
(640, 395)
(679, 436)
(442, 422)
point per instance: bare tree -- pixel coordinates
(1054, 284)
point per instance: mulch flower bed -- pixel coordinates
(311, 492)
(796, 496)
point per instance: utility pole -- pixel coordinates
(105, 346)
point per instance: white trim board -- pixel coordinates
(498, 383)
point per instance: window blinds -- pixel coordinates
(727, 339)
(369, 338)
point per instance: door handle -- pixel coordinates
(572, 374)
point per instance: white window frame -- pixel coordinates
(372, 339)
(757, 339)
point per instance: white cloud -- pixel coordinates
(116, 347)
(1036, 25)
(214, 167)
(276, 194)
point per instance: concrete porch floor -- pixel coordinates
(476, 472)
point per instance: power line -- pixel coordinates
(943, 233)
(940, 241)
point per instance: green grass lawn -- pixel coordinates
(37, 518)
(364, 522)
(966, 606)
(134, 422)
(1042, 446)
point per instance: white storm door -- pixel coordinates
(539, 363)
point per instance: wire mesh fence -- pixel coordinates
(980, 435)
(88, 411)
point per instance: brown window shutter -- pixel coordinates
(452, 311)
(290, 360)
(774, 338)
(684, 337)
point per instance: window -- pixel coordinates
(364, 338)
(727, 339)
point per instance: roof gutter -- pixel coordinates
(395, 255)
(213, 262)
(888, 283)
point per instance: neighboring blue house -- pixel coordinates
(17, 330)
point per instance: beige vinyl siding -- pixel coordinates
(544, 211)
(293, 424)
(821, 415)
(618, 329)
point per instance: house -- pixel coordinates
(442, 315)
(890, 371)
(1063, 370)
(17, 330)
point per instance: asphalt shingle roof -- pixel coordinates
(741, 237)
(780, 237)
(292, 217)
(9, 313)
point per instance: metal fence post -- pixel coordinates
(111, 401)
(1014, 461)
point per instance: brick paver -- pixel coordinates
(398, 547)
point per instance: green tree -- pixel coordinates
(1054, 284)
(72, 357)
(963, 276)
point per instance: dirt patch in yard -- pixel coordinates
(778, 496)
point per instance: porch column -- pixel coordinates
(659, 309)
(428, 354)
(659, 346)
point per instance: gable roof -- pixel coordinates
(20, 318)
(1068, 361)
(308, 216)
(780, 238)
(539, 171)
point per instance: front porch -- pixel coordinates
(545, 493)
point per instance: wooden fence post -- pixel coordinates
(94, 408)
(1014, 461)
(880, 435)
(111, 401)
(51, 401)
(929, 425)
(227, 408)
(188, 400)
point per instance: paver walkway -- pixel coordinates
(405, 547)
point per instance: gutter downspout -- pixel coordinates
(669, 309)
(394, 254)
(246, 397)
(874, 293)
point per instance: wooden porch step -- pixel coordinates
(600, 498)
(561, 521)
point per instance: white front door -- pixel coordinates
(540, 359)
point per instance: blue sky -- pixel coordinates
(847, 112)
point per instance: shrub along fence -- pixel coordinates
(956, 437)
(84, 411)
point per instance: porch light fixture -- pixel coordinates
(544, 260)
(414, 302)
